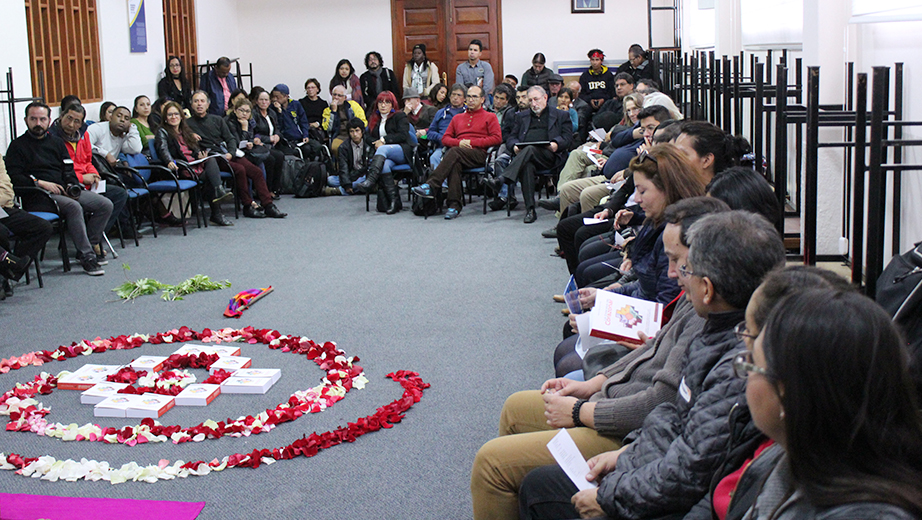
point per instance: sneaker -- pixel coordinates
(452, 214)
(91, 266)
(423, 190)
(550, 233)
(100, 255)
(222, 195)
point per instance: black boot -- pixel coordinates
(394, 204)
(217, 217)
(371, 178)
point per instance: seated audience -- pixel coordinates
(376, 79)
(243, 126)
(216, 137)
(354, 158)
(218, 84)
(438, 96)
(638, 64)
(645, 86)
(474, 71)
(420, 73)
(313, 106)
(419, 115)
(236, 96)
(583, 110)
(565, 103)
(506, 193)
(597, 85)
(466, 139)
(511, 80)
(345, 77)
(266, 134)
(112, 141)
(745, 188)
(502, 96)
(389, 133)
(554, 84)
(31, 234)
(176, 141)
(175, 86)
(36, 159)
(293, 124)
(613, 109)
(540, 124)
(140, 118)
(336, 117)
(619, 397)
(666, 465)
(441, 121)
(538, 74)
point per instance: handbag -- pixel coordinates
(258, 154)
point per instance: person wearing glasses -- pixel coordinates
(441, 120)
(467, 138)
(638, 64)
(665, 467)
(389, 132)
(336, 117)
(242, 125)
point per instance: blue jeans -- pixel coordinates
(436, 157)
(393, 155)
(333, 180)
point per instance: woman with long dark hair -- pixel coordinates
(177, 142)
(175, 86)
(438, 96)
(389, 131)
(142, 120)
(345, 76)
(828, 381)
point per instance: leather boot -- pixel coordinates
(217, 217)
(371, 178)
(394, 204)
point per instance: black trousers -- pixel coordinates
(571, 233)
(545, 495)
(31, 232)
(523, 168)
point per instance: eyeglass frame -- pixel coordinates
(743, 366)
(685, 273)
(644, 155)
(742, 333)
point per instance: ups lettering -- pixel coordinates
(596, 85)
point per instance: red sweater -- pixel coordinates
(82, 155)
(480, 126)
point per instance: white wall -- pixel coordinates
(300, 39)
(523, 37)
(218, 28)
(15, 44)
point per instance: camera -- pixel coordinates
(74, 190)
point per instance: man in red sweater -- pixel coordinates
(468, 136)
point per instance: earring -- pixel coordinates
(781, 415)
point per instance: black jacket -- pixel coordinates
(347, 171)
(214, 133)
(370, 87)
(668, 465)
(168, 149)
(261, 126)
(397, 129)
(559, 130)
(46, 159)
(167, 91)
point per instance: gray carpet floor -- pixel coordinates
(466, 303)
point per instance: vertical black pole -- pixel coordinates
(757, 113)
(737, 100)
(781, 137)
(812, 158)
(727, 119)
(849, 135)
(712, 86)
(896, 248)
(798, 129)
(861, 132)
(877, 180)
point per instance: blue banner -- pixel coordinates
(137, 26)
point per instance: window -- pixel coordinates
(64, 49)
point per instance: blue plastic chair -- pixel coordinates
(172, 185)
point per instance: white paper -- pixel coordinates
(242, 144)
(588, 221)
(585, 341)
(100, 186)
(598, 134)
(3, 214)
(571, 461)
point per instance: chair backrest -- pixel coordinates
(413, 138)
(153, 151)
(136, 159)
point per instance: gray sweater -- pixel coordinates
(646, 377)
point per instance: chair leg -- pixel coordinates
(112, 249)
(121, 240)
(153, 218)
(62, 246)
(38, 274)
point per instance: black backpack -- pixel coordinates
(425, 206)
(310, 180)
(899, 292)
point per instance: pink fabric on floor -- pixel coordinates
(30, 507)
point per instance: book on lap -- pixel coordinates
(619, 318)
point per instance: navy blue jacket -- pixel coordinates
(650, 264)
(440, 124)
(210, 84)
(293, 124)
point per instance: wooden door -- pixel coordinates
(446, 27)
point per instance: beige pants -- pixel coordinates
(502, 463)
(570, 192)
(575, 168)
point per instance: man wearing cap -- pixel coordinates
(597, 85)
(418, 114)
(293, 124)
(554, 84)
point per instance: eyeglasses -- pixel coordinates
(244, 110)
(472, 96)
(685, 273)
(339, 95)
(743, 365)
(643, 156)
(742, 333)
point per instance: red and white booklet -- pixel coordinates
(620, 318)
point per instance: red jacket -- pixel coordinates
(82, 157)
(480, 126)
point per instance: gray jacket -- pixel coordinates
(667, 468)
(647, 377)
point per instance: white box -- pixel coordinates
(230, 363)
(150, 405)
(246, 385)
(269, 373)
(115, 405)
(197, 348)
(87, 376)
(197, 395)
(149, 363)
(100, 391)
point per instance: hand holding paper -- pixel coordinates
(570, 459)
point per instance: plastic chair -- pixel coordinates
(172, 185)
(29, 196)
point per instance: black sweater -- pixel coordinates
(46, 158)
(213, 131)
